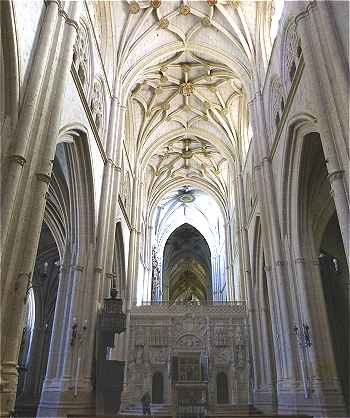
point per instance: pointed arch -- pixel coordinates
(187, 265)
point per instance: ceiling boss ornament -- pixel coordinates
(163, 23)
(134, 7)
(235, 3)
(206, 21)
(186, 88)
(212, 2)
(156, 3)
(185, 10)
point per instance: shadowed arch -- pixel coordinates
(187, 266)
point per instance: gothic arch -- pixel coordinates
(308, 210)
(187, 270)
(76, 157)
(298, 124)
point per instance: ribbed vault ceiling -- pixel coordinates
(184, 70)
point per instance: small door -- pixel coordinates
(157, 388)
(222, 388)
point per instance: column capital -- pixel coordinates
(58, 2)
(335, 175)
(116, 167)
(110, 275)
(43, 177)
(119, 103)
(77, 267)
(265, 160)
(67, 19)
(18, 159)
(316, 261)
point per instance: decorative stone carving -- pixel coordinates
(139, 354)
(158, 355)
(189, 341)
(186, 89)
(163, 23)
(81, 57)
(222, 357)
(155, 275)
(206, 21)
(158, 336)
(235, 3)
(276, 106)
(156, 3)
(220, 337)
(97, 106)
(291, 54)
(191, 323)
(240, 354)
(134, 7)
(185, 10)
(139, 336)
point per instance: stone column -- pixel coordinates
(320, 378)
(229, 263)
(67, 387)
(30, 108)
(284, 344)
(335, 153)
(31, 214)
(109, 194)
(131, 279)
(245, 253)
(263, 395)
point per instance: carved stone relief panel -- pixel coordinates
(190, 323)
(158, 336)
(158, 356)
(189, 342)
(223, 356)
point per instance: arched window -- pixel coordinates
(157, 388)
(222, 388)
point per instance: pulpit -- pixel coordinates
(109, 373)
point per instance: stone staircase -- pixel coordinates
(241, 411)
(224, 411)
(221, 411)
(158, 410)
